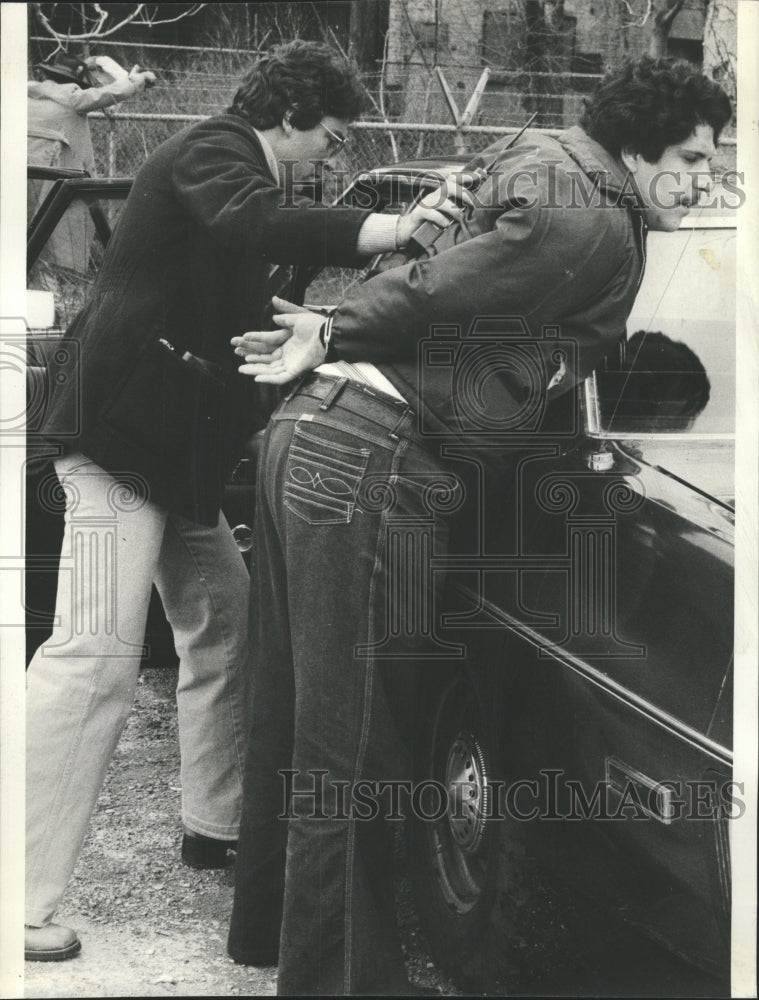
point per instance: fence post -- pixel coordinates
(459, 140)
(111, 149)
(471, 108)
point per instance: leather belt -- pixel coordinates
(395, 416)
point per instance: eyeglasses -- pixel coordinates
(338, 140)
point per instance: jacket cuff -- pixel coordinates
(325, 336)
(377, 234)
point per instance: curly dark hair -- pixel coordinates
(650, 104)
(310, 79)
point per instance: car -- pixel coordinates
(586, 706)
(578, 695)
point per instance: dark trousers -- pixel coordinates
(351, 511)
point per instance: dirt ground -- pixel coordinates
(152, 927)
(149, 925)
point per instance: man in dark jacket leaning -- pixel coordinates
(510, 307)
(146, 435)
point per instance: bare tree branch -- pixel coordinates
(139, 15)
(379, 108)
(640, 18)
(665, 17)
(194, 9)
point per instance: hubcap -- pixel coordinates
(466, 779)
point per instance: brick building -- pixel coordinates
(543, 54)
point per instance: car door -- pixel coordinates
(626, 599)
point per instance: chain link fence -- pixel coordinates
(122, 141)
(409, 117)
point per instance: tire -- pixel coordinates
(454, 859)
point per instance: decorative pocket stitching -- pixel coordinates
(321, 487)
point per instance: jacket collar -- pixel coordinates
(271, 159)
(598, 163)
(241, 124)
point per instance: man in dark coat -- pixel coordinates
(147, 433)
(510, 307)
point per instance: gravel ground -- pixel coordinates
(152, 927)
(149, 925)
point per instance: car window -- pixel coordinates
(331, 285)
(676, 371)
(67, 260)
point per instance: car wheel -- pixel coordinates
(454, 858)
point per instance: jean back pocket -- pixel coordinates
(323, 475)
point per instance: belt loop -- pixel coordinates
(394, 433)
(333, 393)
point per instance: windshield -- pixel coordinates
(675, 373)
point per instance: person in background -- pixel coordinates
(65, 90)
(148, 433)
(357, 479)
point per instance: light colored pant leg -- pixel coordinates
(81, 682)
(203, 583)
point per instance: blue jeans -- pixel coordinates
(351, 509)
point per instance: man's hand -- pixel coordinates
(279, 356)
(441, 206)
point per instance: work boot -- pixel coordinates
(51, 943)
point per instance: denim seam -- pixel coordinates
(377, 434)
(316, 457)
(344, 518)
(300, 431)
(365, 723)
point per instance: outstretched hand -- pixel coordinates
(279, 356)
(441, 206)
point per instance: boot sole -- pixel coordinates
(53, 954)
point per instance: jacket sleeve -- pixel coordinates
(90, 99)
(221, 178)
(533, 254)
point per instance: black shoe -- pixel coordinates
(199, 851)
(261, 960)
